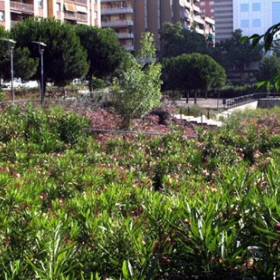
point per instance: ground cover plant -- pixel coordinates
(79, 205)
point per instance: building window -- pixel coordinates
(40, 2)
(2, 15)
(256, 23)
(244, 7)
(256, 7)
(58, 7)
(245, 23)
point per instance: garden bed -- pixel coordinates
(75, 205)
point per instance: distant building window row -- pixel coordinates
(255, 7)
(245, 23)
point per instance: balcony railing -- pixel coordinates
(199, 31)
(22, 7)
(124, 35)
(196, 9)
(113, 11)
(14, 22)
(199, 20)
(128, 47)
(117, 23)
(107, 1)
(81, 1)
(75, 16)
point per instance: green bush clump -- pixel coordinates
(157, 207)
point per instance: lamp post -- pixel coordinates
(11, 44)
(41, 51)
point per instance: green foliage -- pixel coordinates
(137, 91)
(269, 67)
(103, 48)
(64, 57)
(176, 40)
(192, 72)
(90, 210)
(238, 54)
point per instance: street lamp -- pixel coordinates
(11, 44)
(41, 51)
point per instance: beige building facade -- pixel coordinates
(74, 12)
(131, 18)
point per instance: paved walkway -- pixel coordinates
(212, 104)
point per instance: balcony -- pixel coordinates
(75, 16)
(128, 47)
(199, 31)
(81, 1)
(125, 35)
(107, 1)
(196, 9)
(114, 11)
(209, 20)
(199, 20)
(117, 23)
(22, 7)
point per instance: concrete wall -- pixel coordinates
(268, 102)
(252, 106)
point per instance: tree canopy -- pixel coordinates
(104, 52)
(192, 73)
(235, 53)
(24, 66)
(268, 68)
(138, 89)
(176, 40)
(64, 57)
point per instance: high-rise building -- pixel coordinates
(131, 18)
(255, 16)
(74, 12)
(251, 16)
(223, 13)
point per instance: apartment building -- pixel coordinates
(74, 12)
(131, 18)
(207, 8)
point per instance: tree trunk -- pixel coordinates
(90, 84)
(188, 96)
(126, 123)
(195, 97)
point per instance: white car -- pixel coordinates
(16, 84)
(30, 84)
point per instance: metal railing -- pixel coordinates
(241, 100)
(22, 7)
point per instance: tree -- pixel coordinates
(64, 57)
(176, 40)
(237, 54)
(269, 37)
(137, 90)
(269, 67)
(104, 51)
(24, 67)
(192, 73)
